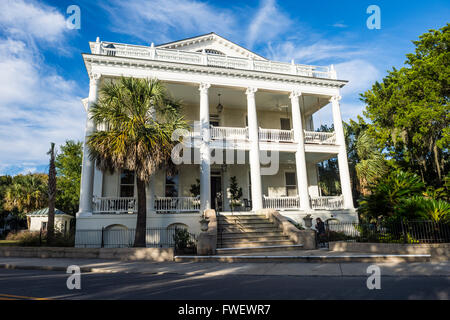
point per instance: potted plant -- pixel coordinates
(235, 193)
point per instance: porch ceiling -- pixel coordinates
(236, 99)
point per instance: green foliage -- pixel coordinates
(387, 197)
(26, 193)
(182, 239)
(195, 188)
(366, 161)
(329, 181)
(68, 165)
(409, 109)
(235, 193)
(436, 210)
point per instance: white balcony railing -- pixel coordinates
(215, 60)
(327, 203)
(281, 202)
(276, 135)
(114, 205)
(320, 137)
(177, 204)
(229, 133)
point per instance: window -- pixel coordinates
(44, 225)
(127, 183)
(171, 185)
(291, 186)
(285, 124)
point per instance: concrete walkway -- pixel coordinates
(216, 268)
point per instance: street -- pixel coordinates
(29, 284)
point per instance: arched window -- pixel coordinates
(117, 236)
(177, 225)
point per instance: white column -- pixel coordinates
(300, 158)
(344, 173)
(87, 170)
(255, 169)
(205, 154)
(150, 195)
(98, 182)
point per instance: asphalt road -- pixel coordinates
(28, 284)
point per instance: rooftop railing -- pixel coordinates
(213, 60)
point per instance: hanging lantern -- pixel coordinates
(219, 106)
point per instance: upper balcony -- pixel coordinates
(210, 59)
(266, 135)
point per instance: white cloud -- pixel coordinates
(267, 23)
(360, 73)
(37, 106)
(154, 20)
(313, 53)
(339, 25)
(30, 19)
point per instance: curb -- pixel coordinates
(311, 258)
(46, 268)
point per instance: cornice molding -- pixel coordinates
(124, 62)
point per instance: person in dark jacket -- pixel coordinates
(320, 227)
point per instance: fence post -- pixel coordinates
(102, 244)
(405, 238)
(40, 237)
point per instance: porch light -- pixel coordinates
(219, 106)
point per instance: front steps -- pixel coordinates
(249, 233)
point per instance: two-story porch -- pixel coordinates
(230, 146)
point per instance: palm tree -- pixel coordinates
(371, 165)
(140, 119)
(26, 193)
(51, 195)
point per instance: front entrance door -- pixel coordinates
(216, 192)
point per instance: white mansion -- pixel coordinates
(245, 105)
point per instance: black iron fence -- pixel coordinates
(411, 232)
(124, 238)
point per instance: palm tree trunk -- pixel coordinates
(51, 196)
(141, 221)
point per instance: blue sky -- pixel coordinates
(42, 75)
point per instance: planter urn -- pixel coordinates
(308, 221)
(204, 224)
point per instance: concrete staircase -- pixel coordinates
(250, 233)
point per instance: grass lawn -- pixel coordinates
(8, 243)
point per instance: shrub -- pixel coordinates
(388, 195)
(182, 239)
(36, 239)
(27, 238)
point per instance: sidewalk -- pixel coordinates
(218, 269)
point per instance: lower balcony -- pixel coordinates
(177, 204)
(128, 205)
(293, 203)
(114, 205)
